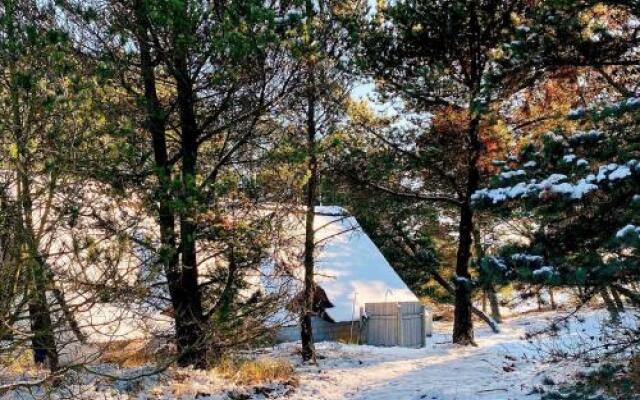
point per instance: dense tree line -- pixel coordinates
(153, 153)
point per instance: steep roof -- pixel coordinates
(350, 268)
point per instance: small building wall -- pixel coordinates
(395, 324)
(322, 331)
(404, 324)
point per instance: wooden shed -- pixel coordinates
(357, 281)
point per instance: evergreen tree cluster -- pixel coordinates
(153, 153)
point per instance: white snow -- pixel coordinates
(545, 270)
(461, 280)
(633, 23)
(527, 258)
(350, 268)
(607, 174)
(503, 366)
(512, 174)
(554, 137)
(576, 191)
(553, 183)
(576, 112)
(630, 103)
(586, 136)
(628, 230)
(552, 180)
(106, 322)
(613, 172)
(498, 263)
(633, 101)
(620, 173)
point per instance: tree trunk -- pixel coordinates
(223, 306)
(495, 304)
(463, 324)
(489, 291)
(43, 341)
(552, 299)
(69, 316)
(478, 313)
(449, 288)
(43, 338)
(9, 274)
(182, 283)
(191, 338)
(617, 299)
(611, 307)
(539, 300)
(306, 328)
(484, 301)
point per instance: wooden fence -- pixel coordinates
(394, 324)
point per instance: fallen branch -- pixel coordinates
(634, 298)
(33, 383)
(492, 390)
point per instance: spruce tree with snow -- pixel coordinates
(581, 183)
(459, 62)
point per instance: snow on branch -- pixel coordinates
(556, 184)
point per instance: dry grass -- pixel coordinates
(256, 372)
(348, 337)
(132, 353)
(17, 362)
(135, 353)
(634, 372)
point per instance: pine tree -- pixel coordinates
(203, 76)
(319, 102)
(442, 58)
(579, 180)
(44, 129)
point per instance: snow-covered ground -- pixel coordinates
(503, 366)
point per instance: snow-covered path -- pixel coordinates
(503, 366)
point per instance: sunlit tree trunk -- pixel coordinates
(463, 323)
(311, 197)
(181, 279)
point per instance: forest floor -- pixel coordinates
(508, 365)
(503, 366)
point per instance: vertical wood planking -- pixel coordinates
(395, 324)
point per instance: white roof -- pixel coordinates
(350, 268)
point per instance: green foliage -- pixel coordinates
(580, 226)
(608, 382)
(401, 229)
